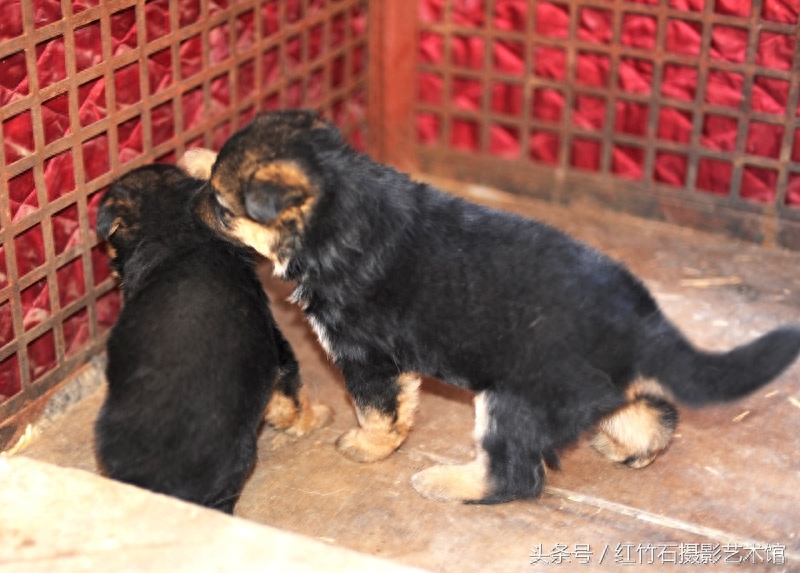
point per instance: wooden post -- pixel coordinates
(392, 82)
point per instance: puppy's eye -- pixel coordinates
(221, 212)
(222, 202)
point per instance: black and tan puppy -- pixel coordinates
(195, 353)
(399, 279)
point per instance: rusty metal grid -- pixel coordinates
(562, 177)
(303, 53)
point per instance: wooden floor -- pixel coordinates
(727, 489)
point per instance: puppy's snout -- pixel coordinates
(107, 223)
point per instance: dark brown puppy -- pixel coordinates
(195, 353)
(399, 279)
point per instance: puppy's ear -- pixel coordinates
(325, 134)
(274, 188)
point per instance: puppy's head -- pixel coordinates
(266, 181)
(142, 204)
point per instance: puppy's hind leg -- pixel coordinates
(464, 482)
(290, 408)
(385, 407)
(295, 413)
(516, 432)
(638, 432)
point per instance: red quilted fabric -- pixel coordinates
(59, 179)
(594, 26)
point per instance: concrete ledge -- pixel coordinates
(55, 519)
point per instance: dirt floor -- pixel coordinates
(728, 489)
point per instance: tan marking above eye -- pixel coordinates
(286, 173)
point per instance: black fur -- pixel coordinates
(194, 354)
(402, 277)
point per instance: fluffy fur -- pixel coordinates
(399, 279)
(195, 353)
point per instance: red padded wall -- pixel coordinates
(690, 100)
(684, 110)
(90, 93)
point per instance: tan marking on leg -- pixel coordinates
(281, 411)
(465, 482)
(407, 402)
(634, 434)
(648, 387)
(197, 162)
(310, 416)
(381, 434)
(374, 440)
(284, 414)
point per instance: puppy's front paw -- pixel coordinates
(313, 417)
(197, 162)
(467, 482)
(281, 411)
(364, 446)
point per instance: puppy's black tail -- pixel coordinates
(696, 377)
